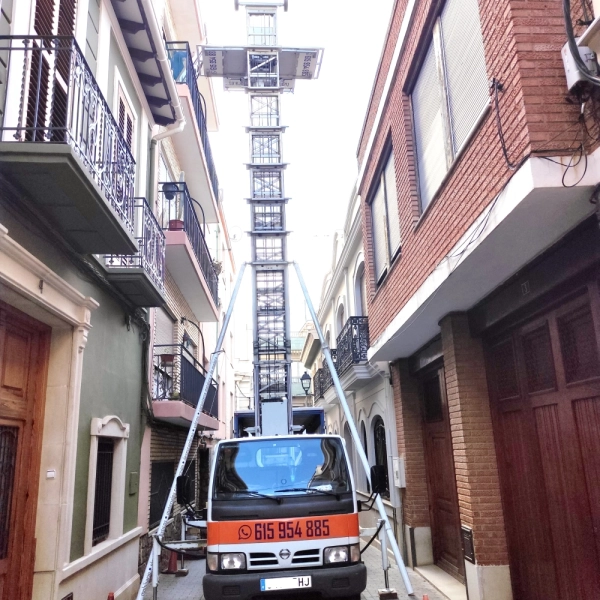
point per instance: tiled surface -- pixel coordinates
(190, 587)
(442, 581)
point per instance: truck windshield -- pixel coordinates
(279, 467)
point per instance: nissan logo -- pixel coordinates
(284, 554)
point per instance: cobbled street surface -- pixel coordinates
(190, 587)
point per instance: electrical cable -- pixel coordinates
(574, 49)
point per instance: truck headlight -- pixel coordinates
(212, 561)
(233, 560)
(354, 553)
(336, 554)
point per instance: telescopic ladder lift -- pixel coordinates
(264, 70)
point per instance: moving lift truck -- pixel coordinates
(283, 519)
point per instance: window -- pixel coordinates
(102, 499)
(450, 93)
(385, 219)
(126, 119)
(381, 449)
(360, 291)
(106, 481)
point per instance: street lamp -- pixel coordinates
(305, 381)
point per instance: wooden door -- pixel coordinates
(545, 387)
(443, 499)
(23, 367)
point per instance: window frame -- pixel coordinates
(110, 426)
(452, 155)
(377, 181)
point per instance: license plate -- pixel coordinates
(285, 583)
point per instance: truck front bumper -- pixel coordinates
(338, 582)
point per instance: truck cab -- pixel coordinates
(282, 520)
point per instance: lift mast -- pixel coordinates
(265, 71)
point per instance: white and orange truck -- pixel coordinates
(282, 520)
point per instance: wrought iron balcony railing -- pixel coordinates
(184, 71)
(61, 103)
(179, 376)
(177, 214)
(318, 384)
(151, 243)
(352, 343)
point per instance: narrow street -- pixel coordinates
(190, 587)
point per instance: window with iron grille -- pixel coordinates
(161, 480)
(385, 219)
(381, 449)
(450, 94)
(103, 490)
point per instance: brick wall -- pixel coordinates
(522, 41)
(410, 445)
(475, 463)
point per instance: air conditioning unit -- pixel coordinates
(399, 472)
(572, 72)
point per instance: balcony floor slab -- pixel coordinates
(135, 284)
(185, 269)
(179, 413)
(57, 183)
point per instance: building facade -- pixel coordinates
(478, 173)
(93, 95)
(344, 319)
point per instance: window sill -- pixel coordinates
(453, 166)
(98, 552)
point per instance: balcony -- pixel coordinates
(350, 359)
(141, 276)
(62, 148)
(192, 144)
(187, 256)
(178, 380)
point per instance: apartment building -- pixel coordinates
(344, 320)
(478, 178)
(96, 97)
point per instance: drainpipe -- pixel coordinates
(177, 127)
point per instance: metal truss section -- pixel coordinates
(267, 217)
(264, 110)
(266, 183)
(270, 291)
(263, 69)
(265, 148)
(272, 378)
(262, 30)
(269, 248)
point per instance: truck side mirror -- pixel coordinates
(379, 479)
(183, 485)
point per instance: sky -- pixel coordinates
(324, 119)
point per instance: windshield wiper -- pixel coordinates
(258, 495)
(326, 492)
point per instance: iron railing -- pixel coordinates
(61, 102)
(184, 71)
(352, 343)
(177, 214)
(151, 244)
(179, 376)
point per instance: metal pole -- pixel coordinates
(358, 444)
(188, 443)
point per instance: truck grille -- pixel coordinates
(262, 559)
(307, 556)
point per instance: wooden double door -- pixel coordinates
(23, 367)
(441, 479)
(544, 378)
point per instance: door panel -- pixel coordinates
(545, 387)
(443, 500)
(23, 367)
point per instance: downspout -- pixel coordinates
(179, 124)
